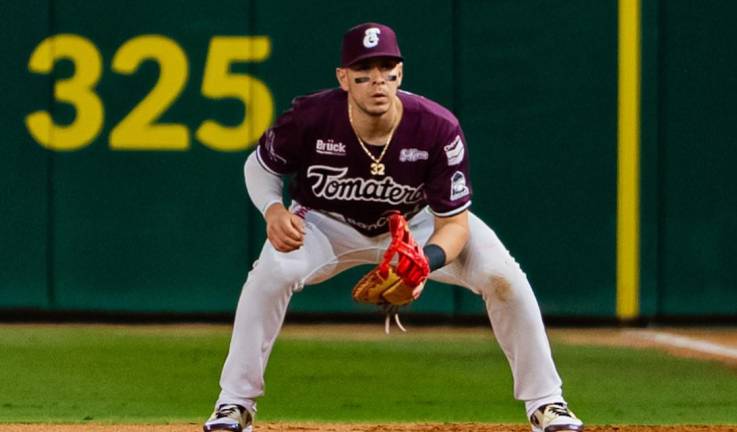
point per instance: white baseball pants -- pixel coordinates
(331, 246)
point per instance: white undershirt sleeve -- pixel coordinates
(263, 187)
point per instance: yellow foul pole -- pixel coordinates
(628, 166)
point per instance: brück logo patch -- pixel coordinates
(458, 187)
(455, 151)
(330, 147)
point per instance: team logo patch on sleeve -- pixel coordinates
(455, 151)
(458, 187)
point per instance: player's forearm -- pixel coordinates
(263, 187)
(451, 234)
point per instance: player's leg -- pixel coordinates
(263, 304)
(261, 309)
(486, 267)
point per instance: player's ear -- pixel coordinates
(400, 73)
(342, 75)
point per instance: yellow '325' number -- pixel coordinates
(139, 130)
(77, 90)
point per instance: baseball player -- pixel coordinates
(358, 154)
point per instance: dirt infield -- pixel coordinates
(292, 427)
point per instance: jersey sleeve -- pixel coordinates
(448, 186)
(279, 147)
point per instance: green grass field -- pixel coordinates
(138, 374)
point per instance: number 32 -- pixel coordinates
(139, 129)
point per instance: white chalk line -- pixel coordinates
(689, 343)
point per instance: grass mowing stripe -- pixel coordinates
(75, 374)
(140, 374)
(393, 380)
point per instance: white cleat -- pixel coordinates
(229, 417)
(555, 417)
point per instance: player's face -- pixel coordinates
(372, 84)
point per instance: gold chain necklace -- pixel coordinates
(377, 168)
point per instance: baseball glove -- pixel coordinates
(393, 283)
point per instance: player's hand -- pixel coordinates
(285, 231)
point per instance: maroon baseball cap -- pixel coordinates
(369, 40)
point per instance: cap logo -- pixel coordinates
(371, 37)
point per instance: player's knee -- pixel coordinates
(289, 273)
(500, 287)
(505, 288)
(276, 275)
(286, 275)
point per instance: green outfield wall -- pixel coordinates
(126, 124)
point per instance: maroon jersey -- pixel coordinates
(426, 162)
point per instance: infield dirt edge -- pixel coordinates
(359, 427)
